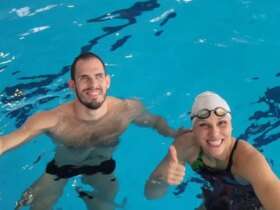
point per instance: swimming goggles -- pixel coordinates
(205, 113)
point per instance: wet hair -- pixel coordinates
(85, 56)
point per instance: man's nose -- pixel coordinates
(93, 82)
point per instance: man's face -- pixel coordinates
(214, 135)
(91, 83)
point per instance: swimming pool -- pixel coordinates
(163, 52)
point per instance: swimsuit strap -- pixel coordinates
(198, 163)
(200, 155)
(231, 155)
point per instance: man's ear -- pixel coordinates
(71, 84)
(108, 81)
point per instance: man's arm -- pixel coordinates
(170, 171)
(144, 118)
(32, 127)
(255, 169)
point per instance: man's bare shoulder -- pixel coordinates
(63, 108)
(131, 105)
(133, 102)
(112, 99)
(128, 102)
(115, 101)
(50, 118)
(135, 105)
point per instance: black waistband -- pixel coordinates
(68, 171)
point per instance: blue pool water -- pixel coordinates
(162, 52)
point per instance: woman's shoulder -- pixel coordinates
(244, 149)
(245, 155)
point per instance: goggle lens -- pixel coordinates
(205, 113)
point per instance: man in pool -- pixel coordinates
(238, 175)
(86, 132)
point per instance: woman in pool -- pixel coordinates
(239, 176)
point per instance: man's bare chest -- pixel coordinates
(73, 132)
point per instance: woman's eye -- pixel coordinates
(222, 123)
(203, 125)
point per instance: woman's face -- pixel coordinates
(214, 135)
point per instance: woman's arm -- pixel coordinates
(170, 171)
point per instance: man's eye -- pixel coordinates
(100, 76)
(84, 78)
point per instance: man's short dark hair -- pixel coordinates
(85, 56)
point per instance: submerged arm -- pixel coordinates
(32, 127)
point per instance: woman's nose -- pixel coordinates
(214, 132)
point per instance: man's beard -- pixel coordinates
(91, 105)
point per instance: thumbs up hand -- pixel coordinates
(175, 171)
(170, 171)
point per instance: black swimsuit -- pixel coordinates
(68, 171)
(223, 191)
